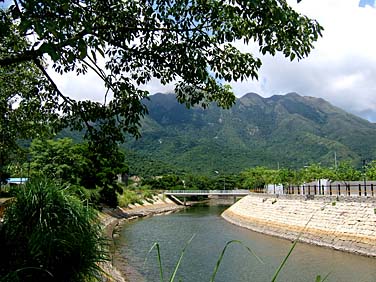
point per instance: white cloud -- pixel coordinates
(88, 87)
(341, 68)
(154, 86)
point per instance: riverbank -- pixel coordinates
(342, 223)
(112, 219)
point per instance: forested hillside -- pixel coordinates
(283, 130)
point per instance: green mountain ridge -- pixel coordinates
(283, 130)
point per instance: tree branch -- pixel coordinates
(61, 95)
(31, 55)
(102, 75)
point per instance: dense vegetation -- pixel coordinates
(88, 170)
(258, 177)
(289, 131)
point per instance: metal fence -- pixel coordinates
(338, 189)
(334, 189)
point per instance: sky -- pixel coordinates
(341, 69)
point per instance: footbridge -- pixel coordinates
(172, 194)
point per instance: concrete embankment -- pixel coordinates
(343, 223)
(117, 269)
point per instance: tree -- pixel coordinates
(93, 167)
(24, 107)
(315, 172)
(186, 42)
(285, 176)
(257, 177)
(58, 159)
(346, 172)
(105, 162)
(370, 170)
(165, 182)
(127, 43)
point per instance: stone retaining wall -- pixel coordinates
(342, 223)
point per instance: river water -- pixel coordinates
(211, 232)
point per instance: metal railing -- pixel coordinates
(366, 190)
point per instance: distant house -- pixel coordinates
(123, 178)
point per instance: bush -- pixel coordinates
(129, 197)
(49, 235)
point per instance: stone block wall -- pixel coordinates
(342, 223)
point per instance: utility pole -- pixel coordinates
(364, 176)
(335, 160)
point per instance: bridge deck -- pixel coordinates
(188, 193)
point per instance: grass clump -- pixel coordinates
(129, 197)
(135, 195)
(49, 235)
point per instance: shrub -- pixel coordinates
(129, 197)
(49, 235)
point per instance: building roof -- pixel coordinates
(17, 180)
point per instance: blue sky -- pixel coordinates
(363, 3)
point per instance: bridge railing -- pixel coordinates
(205, 192)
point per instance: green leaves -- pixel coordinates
(93, 165)
(191, 43)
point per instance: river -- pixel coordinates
(211, 232)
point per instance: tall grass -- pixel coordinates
(49, 235)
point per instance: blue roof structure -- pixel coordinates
(17, 180)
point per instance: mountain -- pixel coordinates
(283, 130)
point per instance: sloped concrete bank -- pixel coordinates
(118, 270)
(342, 223)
